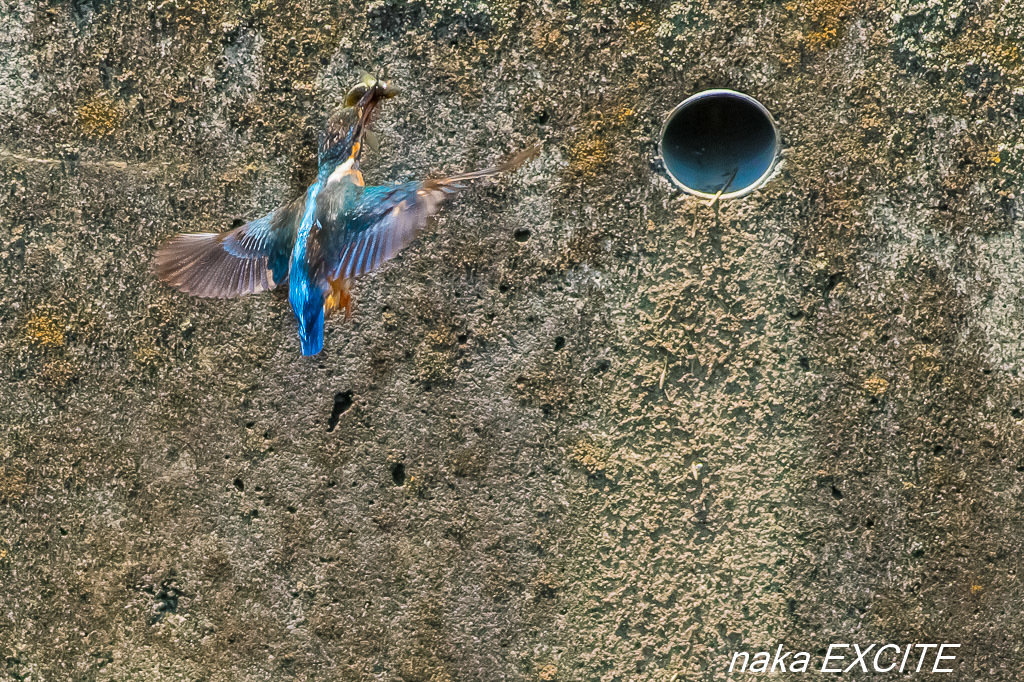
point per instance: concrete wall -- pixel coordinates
(597, 431)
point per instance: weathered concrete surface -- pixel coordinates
(597, 432)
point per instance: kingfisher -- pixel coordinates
(337, 230)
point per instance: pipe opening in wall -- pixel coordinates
(719, 141)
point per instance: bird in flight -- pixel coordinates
(339, 229)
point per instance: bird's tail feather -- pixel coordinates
(311, 333)
(505, 167)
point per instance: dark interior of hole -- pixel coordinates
(718, 143)
(398, 473)
(342, 401)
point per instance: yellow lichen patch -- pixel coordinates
(984, 44)
(588, 455)
(189, 15)
(592, 151)
(99, 116)
(549, 385)
(823, 20)
(43, 330)
(147, 355)
(414, 485)
(237, 174)
(926, 359)
(622, 115)
(544, 37)
(898, 612)
(434, 357)
(548, 673)
(468, 462)
(58, 372)
(589, 155)
(976, 589)
(12, 484)
(979, 151)
(546, 583)
(875, 386)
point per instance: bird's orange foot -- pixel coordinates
(339, 298)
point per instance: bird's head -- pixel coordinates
(370, 88)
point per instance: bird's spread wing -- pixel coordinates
(383, 220)
(246, 260)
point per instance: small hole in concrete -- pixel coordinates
(836, 493)
(166, 601)
(833, 281)
(398, 473)
(342, 401)
(559, 342)
(239, 485)
(521, 235)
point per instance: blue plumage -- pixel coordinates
(311, 327)
(304, 294)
